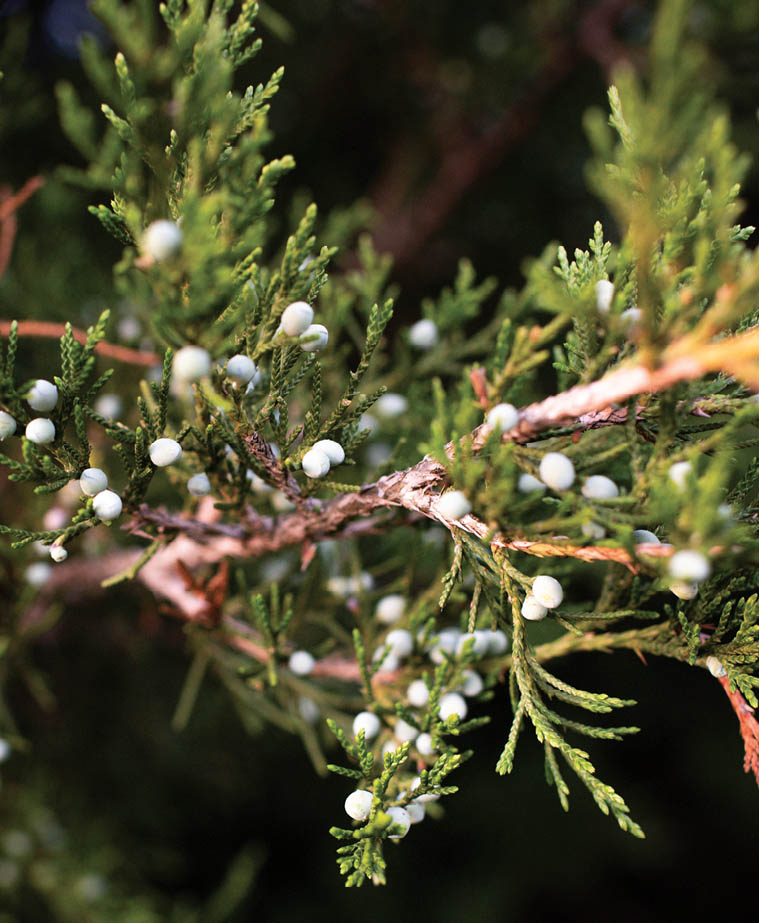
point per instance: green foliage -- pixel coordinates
(179, 142)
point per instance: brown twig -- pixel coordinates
(205, 540)
(7, 236)
(9, 204)
(40, 328)
(684, 360)
(417, 489)
(749, 727)
(32, 328)
(463, 162)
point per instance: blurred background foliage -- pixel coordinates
(461, 127)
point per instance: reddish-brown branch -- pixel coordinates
(41, 328)
(464, 161)
(596, 34)
(331, 667)
(686, 360)
(749, 727)
(8, 206)
(204, 540)
(12, 203)
(417, 489)
(408, 223)
(7, 236)
(33, 328)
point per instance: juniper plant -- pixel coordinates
(580, 455)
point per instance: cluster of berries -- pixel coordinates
(450, 644)
(604, 298)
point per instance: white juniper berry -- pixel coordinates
(403, 731)
(358, 804)
(418, 694)
(199, 485)
(297, 318)
(714, 666)
(498, 641)
(315, 463)
(107, 505)
(599, 487)
(471, 683)
(604, 295)
(474, 641)
(40, 430)
(387, 660)
(191, 363)
(314, 338)
(527, 483)
(391, 405)
(333, 450)
(548, 591)
(452, 703)
(37, 574)
(690, 566)
(444, 642)
(593, 530)
(415, 812)
(7, 425)
(308, 709)
(161, 240)
(533, 610)
(423, 744)
(400, 642)
(631, 317)
(423, 334)
(367, 722)
(453, 505)
(679, 472)
(557, 471)
(644, 537)
(390, 608)
(684, 590)
(109, 406)
(402, 820)
(301, 663)
(164, 452)
(503, 417)
(241, 368)
(92, 481)
(43, 395)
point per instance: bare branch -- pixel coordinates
(749, 727)
(418, 488)
(40, 328)
(9, 204)
(206, 541)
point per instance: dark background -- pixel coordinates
(463, 126)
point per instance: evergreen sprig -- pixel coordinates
(413, 624)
